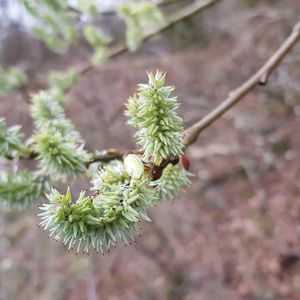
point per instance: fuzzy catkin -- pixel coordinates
(99, 221)
(153, 112)
(173, 180)
(21, 189)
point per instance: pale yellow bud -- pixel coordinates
(133, 166)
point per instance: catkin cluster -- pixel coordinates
(122, 190)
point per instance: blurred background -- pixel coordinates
(235, 233)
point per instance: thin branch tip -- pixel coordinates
(259, 78)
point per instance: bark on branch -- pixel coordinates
(259, 78)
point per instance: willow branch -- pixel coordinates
(104, 156)
(259, 78)
(184, 13)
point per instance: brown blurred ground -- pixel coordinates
(235, 233)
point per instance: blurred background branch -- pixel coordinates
(184, 13)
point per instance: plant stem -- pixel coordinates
(259, 78)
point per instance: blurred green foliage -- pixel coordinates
(140, 17)
(12, 78)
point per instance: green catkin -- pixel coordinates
(140, 17)
(109, 175)
(99, 221)
(12, 78)
(21, 189)
(153, 112)
(58, 145)
(11, 140)
(48, 114)
(59, 157)
(173, 180)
